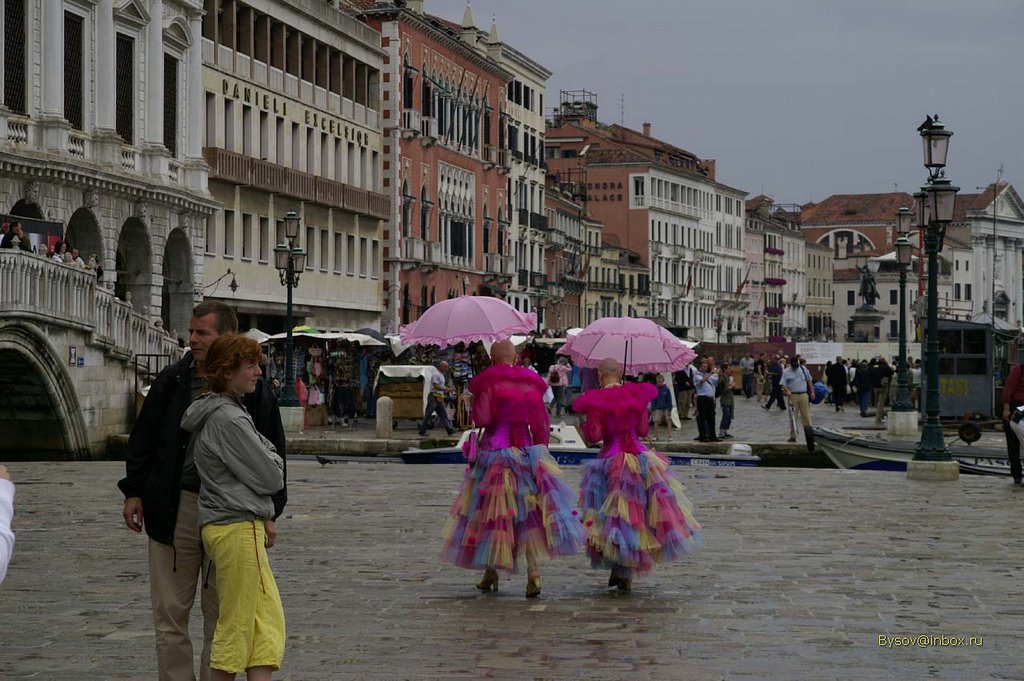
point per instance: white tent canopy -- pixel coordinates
(361, 339)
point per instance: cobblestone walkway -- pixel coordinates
(803, 572)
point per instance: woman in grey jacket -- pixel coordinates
(239, 470)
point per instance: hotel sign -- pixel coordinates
(289, 108)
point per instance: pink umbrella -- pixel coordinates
(467, 319)
(640, 344)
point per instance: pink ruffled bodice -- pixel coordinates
(616, 416)
(508, 403)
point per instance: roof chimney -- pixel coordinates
(415, 5)
(647, 129)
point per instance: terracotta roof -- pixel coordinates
(855, 208)
(969, 203)
(849, 274)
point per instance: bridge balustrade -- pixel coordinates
(34, 288)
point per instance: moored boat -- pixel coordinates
(855, 451)
(568, 449)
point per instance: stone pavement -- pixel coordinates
(803, 572)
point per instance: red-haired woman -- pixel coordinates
(239, 470)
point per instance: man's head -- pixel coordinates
(74, 253)
(609, 371)
(503, 352)
(18, 230)
(210, 319)
(442, 366)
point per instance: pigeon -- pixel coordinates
(927, 125)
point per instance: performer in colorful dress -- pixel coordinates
(513, 499)
(634, 510)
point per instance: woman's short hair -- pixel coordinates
(226, 355)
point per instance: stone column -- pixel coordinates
(53, 128)
(154, 133)
(196, 169)
(105, 141)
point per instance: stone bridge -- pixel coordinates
(68, 358)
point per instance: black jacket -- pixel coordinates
(157, 447)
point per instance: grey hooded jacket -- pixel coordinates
(239, 469)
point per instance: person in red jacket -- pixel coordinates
(1013, 397)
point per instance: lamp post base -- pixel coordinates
(940, 471)
(902, 425)
(293, 419)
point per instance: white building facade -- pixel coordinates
(291, 103)
(523, 125)
(697, 254)
(100, 131)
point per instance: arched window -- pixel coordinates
(407, 83)
(427, 93)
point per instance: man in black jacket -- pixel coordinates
(161, 489)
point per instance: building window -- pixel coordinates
(229, 124)
(246, 236)
(374, 258)
(14, 55)
(125, 88)
(894, 328)
(967, 290)
(211, 235)
(338, 253)
(310, 246)
(851, 298)
(264, 239)
(324, 249)
(364, 255)
(893, 297)
(956, 291)
(350, 245)
(211, 120)
(73, 30)
(171, 104)
(229, 234)
(247, 131)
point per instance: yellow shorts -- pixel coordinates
(250, 629)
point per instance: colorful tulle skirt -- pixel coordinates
(511, 501)
(635, 513)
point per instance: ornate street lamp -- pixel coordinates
(718, 321)
(937, 206)
(904, 252)
(290, 262)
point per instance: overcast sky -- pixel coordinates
(798, 99)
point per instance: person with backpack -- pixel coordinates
(799, 388)
(683, 381)
(727, 400)
(558, 379)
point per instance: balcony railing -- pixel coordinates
(410, 123)
(523, 278)
(498, 264)
(504, 162)
(657, 289)
(490, 155)
(270, 177)
(555, 240)
(428, 128)
(413, 249)
(538, 221)
(556, 289)
(523, 217)
(538, 280)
